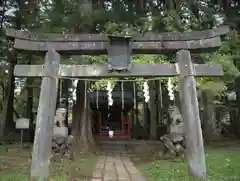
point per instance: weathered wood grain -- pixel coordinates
(100, 47)
(168, 36)
(138, 70)
(190, 109)
(42, 147)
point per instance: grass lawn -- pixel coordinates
(223, 164)
(15, 165)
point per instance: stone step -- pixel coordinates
(113, 148)
(116, 167)
(116, 152)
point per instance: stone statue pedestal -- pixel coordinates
(60, 131)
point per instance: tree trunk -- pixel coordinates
(82, 118)
(194, 7)
(145, 113)
(82, 122)
(169, 5)
(8, 124)
(234, 120)
(159, 103)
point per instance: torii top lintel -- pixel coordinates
(92, 44)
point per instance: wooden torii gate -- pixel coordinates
(119, 50)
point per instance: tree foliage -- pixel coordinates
(122, 17)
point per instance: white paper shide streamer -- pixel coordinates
(146, 91)
(170, 90)
(109, 89)
(110, 133)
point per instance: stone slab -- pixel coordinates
(109, 166)
(99, 165)
(132, 170)
(117, 168)
(111, 159)
(102, 159)
(109, 176)
(122, 173)
(138, 178)
(126, 160)
(95, 179)
(124, 178)
(97, 173)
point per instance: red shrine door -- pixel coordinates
(119, 123)
(126, 124)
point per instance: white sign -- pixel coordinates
(22, 123)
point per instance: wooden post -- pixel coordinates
(158, 102)
(132, 122)
(136, 106)
(208, 112)
(46, 111)
(153, 110)
(100, 122)
(189, 102)
(122, 121)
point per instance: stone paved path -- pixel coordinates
(116, 168)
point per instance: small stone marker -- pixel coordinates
(22, 123)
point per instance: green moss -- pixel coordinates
(222, 165)
(15, 165)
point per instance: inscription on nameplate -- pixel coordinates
(119, 53)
